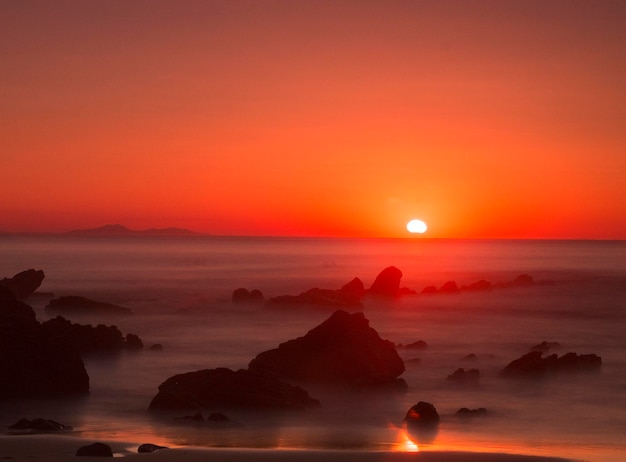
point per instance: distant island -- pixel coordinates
(120, 230)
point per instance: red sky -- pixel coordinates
(486, 119)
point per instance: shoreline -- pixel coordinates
(62, 448)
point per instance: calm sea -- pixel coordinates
(179, 290)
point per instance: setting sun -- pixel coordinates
(416, 226)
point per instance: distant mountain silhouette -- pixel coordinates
(119, 230)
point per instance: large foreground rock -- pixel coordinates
(343, 350)
(33, 363)
(24, 284)
(216, 389)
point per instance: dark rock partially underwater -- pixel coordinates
(344, 350)
(73, 304)
(222, 388)
(534, 364)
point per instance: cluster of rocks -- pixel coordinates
(351, 295)
(343, 351)
(44, 359)
(534, 364)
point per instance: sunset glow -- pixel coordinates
(491, 119)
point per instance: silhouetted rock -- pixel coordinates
(533, 364)
(343, 350)
(449, 287)
(387, 283)
(545, 346)
(429, 290)
(417, 345)
(470, 357)
(24, 284)
(324, 298)
(39, 425)
(156, 347)
(470, 376)
(223, 388)
(465, 412)
(247, 297)
(354, 289)
(479, 286)
(95, 450)
(32, 362)
(73, 304)
(89, 339)
(422, 413)
(149, 447)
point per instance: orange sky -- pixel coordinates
(486, 119)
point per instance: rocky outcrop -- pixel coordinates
(23, 284)
(422, 413)
(39, 425)
(89, 339)
(466, 412)
(465, 376)
(227, 389)
(34, 363)
(534, 364)
(387, 283)
(95, 450)
(244, 296)
(73, 304)
(344, 350)
(349, 296)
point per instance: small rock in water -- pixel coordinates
(149, 447)
(95, 450)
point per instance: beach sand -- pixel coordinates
(55, 448)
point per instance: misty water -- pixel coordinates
(180, 292)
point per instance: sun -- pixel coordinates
(416, 226)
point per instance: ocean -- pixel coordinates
(180, 288)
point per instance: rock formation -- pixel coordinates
(73, 304)
(533, 364)
(222, 388)
(343, 350)
(23, 284)
(349, 296)
(387, 283)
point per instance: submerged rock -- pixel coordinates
(95, 450)
(73, 304)
(533, 364)
(223, 388)
(343, 350)
(149, 447)
(466, 412)
(39, 425)
(463, 376)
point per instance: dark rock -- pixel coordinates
(545, 346)
(533, 364)
(343, 350)
(89, 339)
(480, 286)
(449, 287)
(39, 425)
(470, 357)
(429, 290)
(24, 284)
(417, 345)
(73, 304)
(224, 388)
(32, 362)
(465, 412)
(470, 376)
(387, 283)
(354, 289)
(95, 450)
(422, 413)
(244, 296)
(325, 298)
(156, 347)
(149, 447)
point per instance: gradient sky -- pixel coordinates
(486, 119)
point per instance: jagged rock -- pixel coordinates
(545, 346)
(343, 350)
(73, 304)
(95, 450)
(24, 284)
(149, 447)
(224, 388)
(422, 413)
(465, 412)
(470, 376)
(89, 339)
(449, 287)
(479, 286)
(387, 283)
(34, 363)
(245, 296)
(39, 425)
(533, 364)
